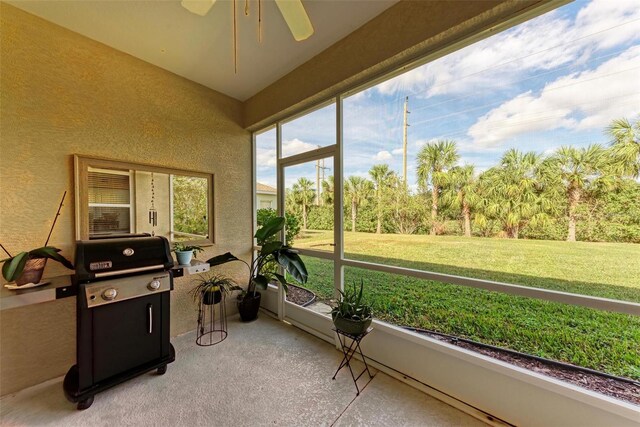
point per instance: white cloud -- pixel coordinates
(265, 157)
(422, 142)
(296, 146)
(578, 101)
(397, 151)
(383, 155)
(543, 43)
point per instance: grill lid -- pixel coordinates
(96, 259)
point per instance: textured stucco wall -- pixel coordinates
(401, 34)
(64, 94)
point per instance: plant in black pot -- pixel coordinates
(260, 270)
(210, 288)
(351, 313)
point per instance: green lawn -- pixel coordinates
(599, 340)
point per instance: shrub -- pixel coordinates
(320, 218)
(292, 225)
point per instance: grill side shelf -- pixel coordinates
(58, 288)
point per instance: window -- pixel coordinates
(309, 199)
(265, 173)
(189, 207)
(118, 198)
(496, 162)
(313, 130)
(109, 202)
(491, 174)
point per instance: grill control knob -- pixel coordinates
(154, 285)
(109, 294)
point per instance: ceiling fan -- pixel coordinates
(292, 11)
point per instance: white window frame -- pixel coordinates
(392, 345)
(172, 232)
(130, 205)
(336, 150)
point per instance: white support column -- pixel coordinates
(338, 201)
(254, 196)
(281, 208)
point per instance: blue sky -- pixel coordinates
(558, 79)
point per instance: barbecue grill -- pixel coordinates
(122, 313)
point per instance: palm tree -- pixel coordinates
(626, 145)
(460, 190)
(434, 160)
(578, 170)
(381, 176)
(357, 191)
(302, 194)
(327, 191)
(514, 194)
(406, 211)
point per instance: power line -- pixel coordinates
(555, 70)
(506, 62)
(498, 125)
(502, 101)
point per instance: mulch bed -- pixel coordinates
(619, 389)
(300, 296)
(623, 390)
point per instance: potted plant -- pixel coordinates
(260, 273)
(210, 288)
(351, 314)
(27, 267)
(184, 253)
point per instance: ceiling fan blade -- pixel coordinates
(199, 7)
(296, 17)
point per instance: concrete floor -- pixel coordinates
(264, 373)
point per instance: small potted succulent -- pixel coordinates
(351, 313)
(210, 288)
(184, 253)
(261, 271)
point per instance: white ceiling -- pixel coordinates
(199, 48)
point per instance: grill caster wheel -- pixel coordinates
(162, 370)
(84, 404)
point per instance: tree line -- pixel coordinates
(574, 193)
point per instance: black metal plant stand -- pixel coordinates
(348, 350)
(212, 322)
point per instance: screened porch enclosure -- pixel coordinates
(451, 207)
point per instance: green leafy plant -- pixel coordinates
(181, 247)
(271, 250)
(351, 304)
(211, 283)
(14, 265)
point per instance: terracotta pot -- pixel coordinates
(33, 270)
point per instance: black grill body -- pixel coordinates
(123, 318)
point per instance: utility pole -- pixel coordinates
(319, 167)
(318, 182)
(404, 141)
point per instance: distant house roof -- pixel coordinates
(265, 189)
